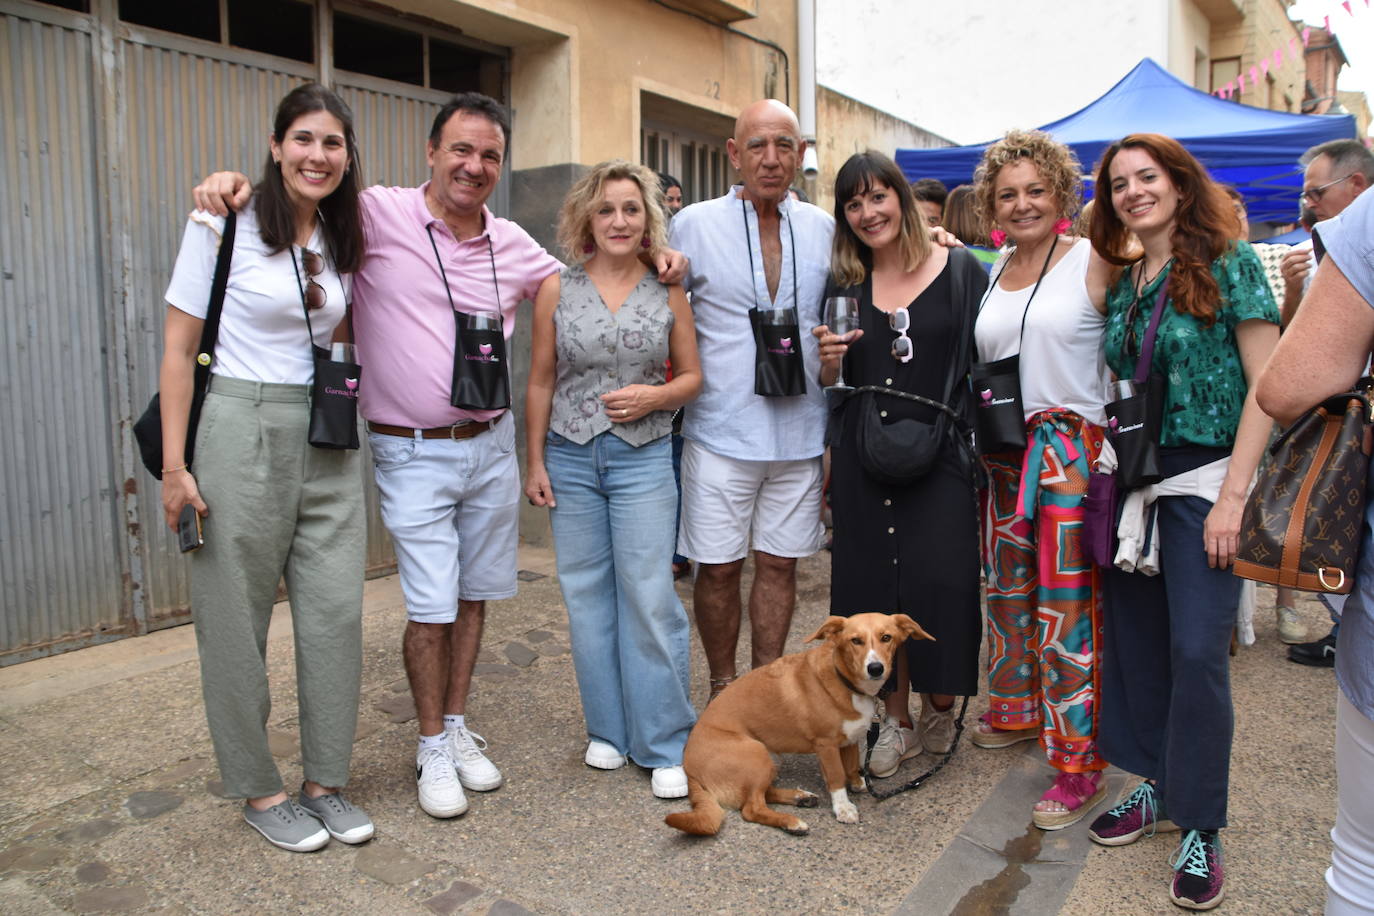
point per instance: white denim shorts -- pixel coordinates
(724, 499)
(452, 511)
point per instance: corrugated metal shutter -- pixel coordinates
(186, 115)
(60, 568)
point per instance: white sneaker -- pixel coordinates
(1291, 629)
(603, 756)
(894, 745)
(669, 782)
(475, 771)
(441, 795)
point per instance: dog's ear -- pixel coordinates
(828, 629)
(910, 628)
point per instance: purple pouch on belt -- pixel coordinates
(1099, 518)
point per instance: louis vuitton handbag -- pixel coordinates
(1302, 523)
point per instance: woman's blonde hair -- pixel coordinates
(575, 217)
(1056, 163)
(850, 258)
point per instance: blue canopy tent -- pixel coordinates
(1252, 148)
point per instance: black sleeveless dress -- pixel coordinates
(912, 549)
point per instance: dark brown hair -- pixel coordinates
(850, 258)
(341, 220)
(1205, 223)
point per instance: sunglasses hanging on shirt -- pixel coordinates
(334, 390)
(778, 368)
(480, 377)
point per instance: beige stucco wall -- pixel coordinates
(845, 126)
(577, 69)
(1190, 33)
(1264, 27)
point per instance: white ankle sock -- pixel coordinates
(430, 742)
(453, 722)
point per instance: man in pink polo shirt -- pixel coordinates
(447, 475)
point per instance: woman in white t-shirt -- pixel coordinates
(271, 504)
(1046, 302)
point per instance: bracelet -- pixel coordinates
(180, 467)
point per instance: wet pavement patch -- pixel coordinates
(520, 654)
(458, 893)
(508, 908)
(399, 708)
(30, 858)
(391, 866)
(110, 899)
(88, 832)
(92, 872)
(147, 805)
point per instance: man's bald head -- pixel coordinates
(766, 149)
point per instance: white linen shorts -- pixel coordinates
(452, 511)
(725, 499)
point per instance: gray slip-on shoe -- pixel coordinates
(345, 822)
(287, 825)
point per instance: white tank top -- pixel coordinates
(1062, 363)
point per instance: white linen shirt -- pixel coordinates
(727, 417)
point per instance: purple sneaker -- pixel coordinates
(1197, 871)
(1141, 814)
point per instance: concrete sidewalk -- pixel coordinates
(108, 799)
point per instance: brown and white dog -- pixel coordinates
(815, 702)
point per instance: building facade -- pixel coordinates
(115, 108)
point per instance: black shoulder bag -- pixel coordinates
(900, 452)
(480, 379)
(1000, 422)
(148, 427)
(1134, 423)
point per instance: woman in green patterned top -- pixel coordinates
(1166, 693)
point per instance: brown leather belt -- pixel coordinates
(463, 430)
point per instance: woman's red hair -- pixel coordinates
(1204, 223)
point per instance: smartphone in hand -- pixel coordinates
(190, 535)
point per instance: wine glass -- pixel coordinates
(841, 317)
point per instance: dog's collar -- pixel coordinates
(847, 682)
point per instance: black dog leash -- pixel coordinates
(916, 783)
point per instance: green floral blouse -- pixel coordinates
(1206, 380)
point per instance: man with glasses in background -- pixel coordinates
(1335, 173)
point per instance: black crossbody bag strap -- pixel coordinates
(209, 332)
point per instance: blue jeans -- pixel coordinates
(612, 526)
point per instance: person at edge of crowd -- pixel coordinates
(672, 193)
(931, 195)
(672, 203)
(447, 476)
(273, 505)
(1047, 303)
(915, 329)
(1322, 353)
(751, 468)
(1165, 674)
(1335, 173)
(798, 195)
(1287, 622)
(597, 421)
(961, 218)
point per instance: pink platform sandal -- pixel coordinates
(1079, 793)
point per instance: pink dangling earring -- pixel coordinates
(1064, 225)
(998, 238)
(588, 248)
(644, 242)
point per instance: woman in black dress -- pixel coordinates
(910, 547)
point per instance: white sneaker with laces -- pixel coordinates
(441, 795)
(1291, 628)
(475, 771)
(894, 745)
(669, 782)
